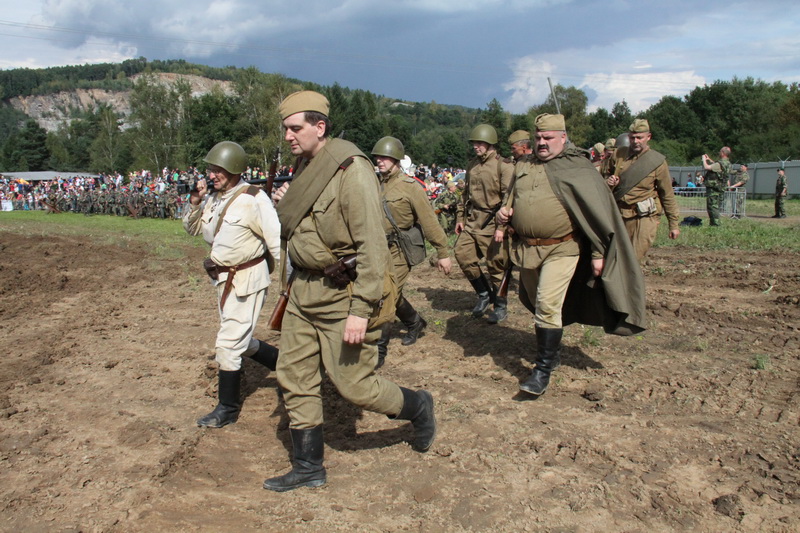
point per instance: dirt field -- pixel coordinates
(691, 426)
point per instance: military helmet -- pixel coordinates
(389, 147)
(485, 133)
(623, 141)
(229, 156)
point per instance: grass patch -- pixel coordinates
(163, 236)
(760, 362)
(750, 234)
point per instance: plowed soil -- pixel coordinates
(691, 426)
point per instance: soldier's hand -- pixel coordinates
(278, 194)
(504, 215)
(597, 267)
(195, 197)
(355, 329)
(445, 265)
(612, 180)
(673, 233)
(459, 228)
(499, 235)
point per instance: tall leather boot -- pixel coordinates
(227, 410)
(500, 311)
(266, 355)
(547, 359)
(412, 320)
(307, 471)
(383, 344)
(418, 408)
(485, 296)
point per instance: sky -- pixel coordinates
(462, 52)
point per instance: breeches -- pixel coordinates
(470, 248)
(642, 232)
(547, 287)
(309, 345)
(237, 322)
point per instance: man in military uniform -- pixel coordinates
(607, 166)
(642, 188)
(445, 207)
(486, 183)
(330, 213)
(781, 190)
(567, 231)
(408, 205)
(742, 179)
(716, 180)
(520, 142)
(240, 223)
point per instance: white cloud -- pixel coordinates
(640, 91)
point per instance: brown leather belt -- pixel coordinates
(232, 270)
(547, 242)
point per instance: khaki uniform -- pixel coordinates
(249, 228)
(408, 204)
(545, 271)
(656, 186)
(345, 219)
(487, 182)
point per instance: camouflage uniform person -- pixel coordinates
(781, 190)
(743, 178)
(408, 205)
(716, 180)
(487, 180)
(642, 188)
(445, 207)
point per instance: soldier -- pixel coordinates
(407, 205)
(240, 223)
(445, 207)
(743, 178)
(781, 190)
(607, 166)
(566, 233)
(331, 226)
(716, 181)
(520, 142)
(487, 180)
(642, 188)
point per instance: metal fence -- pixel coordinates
(693, 200)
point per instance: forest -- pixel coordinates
(170, 127)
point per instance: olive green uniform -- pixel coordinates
(487, 181)
(345, 219)
(716, 181)
(408, 204)
(781, 190)
(642, 206)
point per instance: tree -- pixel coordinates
(32, 149)
(156, 116)
(108, 149)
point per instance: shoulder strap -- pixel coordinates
(252, 190)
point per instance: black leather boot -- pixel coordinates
(547, 359)
(418, 408)
(500, 311)
(227, 410)
(307, 471)
(485, 296)
(383, 344)
(266, 355)
(412, 320)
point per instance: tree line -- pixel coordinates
(170, 127)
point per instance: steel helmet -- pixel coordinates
(623, 141)
(485, 133)
(389, 147)
(229, 156)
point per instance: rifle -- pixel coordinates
(51, 208)
(502, 290)
(276, 319)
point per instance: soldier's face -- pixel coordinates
(385, 164)
(223, 180)
(639, 141)
(517, 150)
(304, 139)
(549, 144)
(480, 147)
